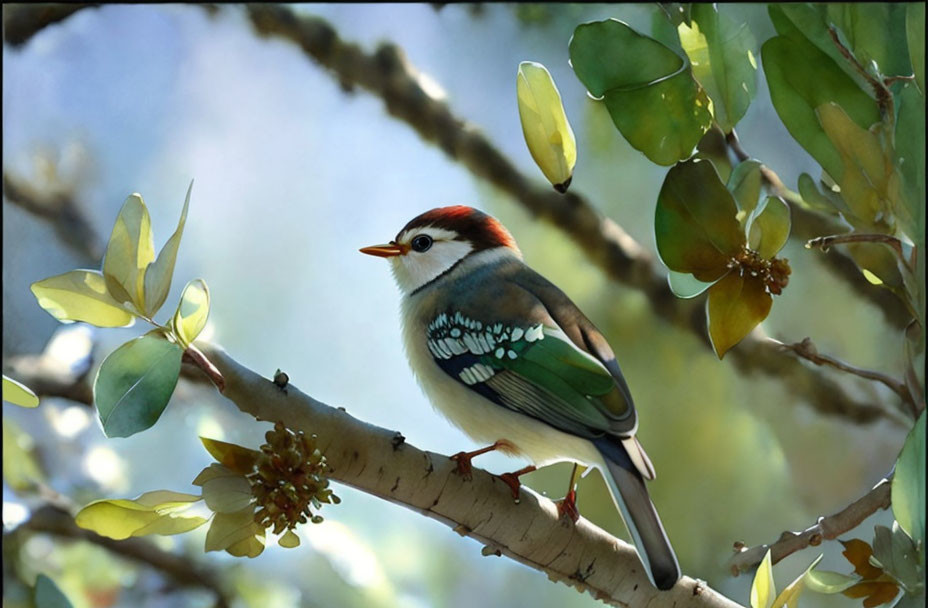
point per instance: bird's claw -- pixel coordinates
(568, 506)
(512, 480)
(464, 468)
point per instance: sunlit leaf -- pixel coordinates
(915, 35)
(730, 54)
(135, 382)
(227, 494)
(234, 457)
(227, 529)
(21, 469)
(192, 312)
(827, 202)
(879, 261)
(685, 285)
(908, 489)
(130, 249)
(858, 552)
(18, 394)
(544, 124)
(47, 594)
(713, 147)
(213, 471)
(870, 185)
(898, 555)
(151, 513)
(744, 184)
(289, 540)
(695, 223)
(825, 581)
(81, 295)
(789, 597)
(762, 589)
(648, 89)
(770, 229)
(158, 275)
(249, 547)
(873, 31)
(736, 305)
(875, 593)
(802, 78)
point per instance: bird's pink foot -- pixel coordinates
(464, 468)
(568, 506)
(512, 480)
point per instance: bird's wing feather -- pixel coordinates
(523, 359)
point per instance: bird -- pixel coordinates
(509, 359)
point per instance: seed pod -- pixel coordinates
(548, 134)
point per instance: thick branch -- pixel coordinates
(21, 21)
(827, 528)
(55, 520)
(379, 462)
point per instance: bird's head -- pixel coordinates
(433, 243)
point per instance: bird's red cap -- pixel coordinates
(482, 230)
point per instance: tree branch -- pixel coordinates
(55, 520)
(826, 528)
(379, 462)
(826, 242)
(21, 22)
(807, 350)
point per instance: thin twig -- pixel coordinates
(807, 350)
(893, 79)
(825, 242)
(826, 528)
(52, 519)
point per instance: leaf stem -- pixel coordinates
(196, 356)
(883, 97)
(826, 242)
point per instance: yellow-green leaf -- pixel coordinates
(81, 295)
(769, 230)
(736, 304)
(18, 394)
(908, 489)
(249, 547)
(228, 529)
(235, 457)
(151, 513)
(544, 124)
(129, 252)
(289, 540)
(158, 275)
(227, 494)
(192, 312)
(789, 597)
(825, 581)
(21, 470)
(762, 589)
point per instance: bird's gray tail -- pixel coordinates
(631, 497)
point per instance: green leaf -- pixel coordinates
(192, 312)
(910, 160)
(789, 597)
(289, 540)
(744, 184)
(228, 529)
(915, 35)
(235, 457)
(869, 183)
(829, 202)
(769, 230)
(151, 513)
(81, 295)
(713, 147)
(762, 589)
(648, 89)
(908, 489)
(825, 581)
(685, 285)
(227, 494)
(214, 471)
(18, 394)
(158, 275)
(544, 124)
(898, 555)
(21, 470)
(47, 594)
(874, 33)
(695, 223)
(802, 78)
(135, 382)
(249, 547)
(130, 249)
(735, 306)
(879, 264)
(731, 58)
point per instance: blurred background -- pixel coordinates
(292, 175)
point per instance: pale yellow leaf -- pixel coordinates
(158, 275)
(151, 513)
(81, 295)
(789, 597)
(192, 312)
(762, 589)
(18, 394)
(289, 540)
(544, 123)
(228, 529)
(129, 252)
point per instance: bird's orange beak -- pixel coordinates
(385, 251)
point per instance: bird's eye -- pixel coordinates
(421, 243)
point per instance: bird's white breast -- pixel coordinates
(481, 419)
